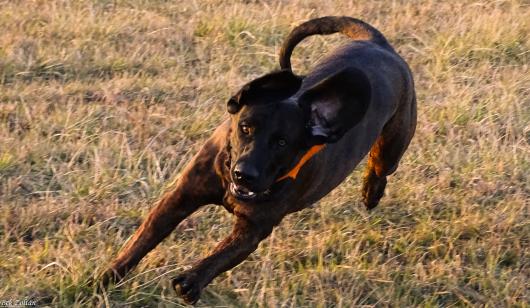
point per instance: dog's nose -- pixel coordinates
(244, 173)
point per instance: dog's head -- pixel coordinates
(274, 123)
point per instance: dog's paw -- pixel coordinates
(372, 200)
(188, 287)
(370, 204)
(373, 190)
(107, 278)
(110, 276)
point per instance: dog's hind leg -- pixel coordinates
(198, 185)
(386, 153)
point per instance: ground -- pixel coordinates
(102, 103)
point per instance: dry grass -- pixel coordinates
(103, 102)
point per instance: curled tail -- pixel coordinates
(352, 27)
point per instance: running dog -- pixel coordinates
(289, 141)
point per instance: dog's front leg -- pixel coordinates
(233, 250)
(198, 185)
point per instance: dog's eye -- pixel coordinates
(282, 142)
(245, 129)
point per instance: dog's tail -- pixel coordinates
(352, 27)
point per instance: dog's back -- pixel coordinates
(392, 96)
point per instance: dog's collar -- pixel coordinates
(310, 153)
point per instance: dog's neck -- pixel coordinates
(293, 173)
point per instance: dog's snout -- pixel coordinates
(245, 173)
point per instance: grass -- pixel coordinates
(103, 102)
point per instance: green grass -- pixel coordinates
(102, 103)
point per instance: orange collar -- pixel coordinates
(310, 153)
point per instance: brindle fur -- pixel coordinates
(383, 128)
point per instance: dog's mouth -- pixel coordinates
(244, 193)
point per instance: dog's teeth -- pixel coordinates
(236, 189)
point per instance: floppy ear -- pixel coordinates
(270, 87)
(336, 104)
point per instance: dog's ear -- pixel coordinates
(268, 88)
(336, 104)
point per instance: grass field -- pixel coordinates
(103, 102)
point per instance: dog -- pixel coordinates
(288, 141)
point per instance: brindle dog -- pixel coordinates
(289, 141)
